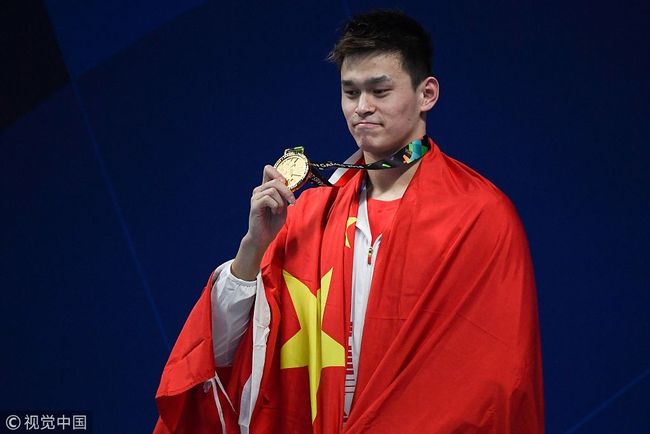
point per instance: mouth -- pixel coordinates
(366, 124)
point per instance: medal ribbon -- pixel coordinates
(407, 155)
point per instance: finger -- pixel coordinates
(270, 173)
(278, 185)
(271, 203)
(267, 184)
(273, 194)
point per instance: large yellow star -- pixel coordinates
(311, 346)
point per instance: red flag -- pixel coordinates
(450, 341)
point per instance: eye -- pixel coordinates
(380, 92)
(351, 93)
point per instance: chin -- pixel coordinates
(375, 146)
(368, 140)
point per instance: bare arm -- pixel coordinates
(267, 215)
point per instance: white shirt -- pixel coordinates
(233, 298)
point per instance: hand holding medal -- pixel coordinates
(269, 201)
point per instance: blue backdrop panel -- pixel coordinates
(186, 128)
(130, 185)
(78, 332)
(621, 413)
(33, 68)
(89, 32)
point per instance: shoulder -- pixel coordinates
(453, 181)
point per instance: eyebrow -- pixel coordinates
(370, 81)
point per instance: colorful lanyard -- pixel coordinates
(297, 169)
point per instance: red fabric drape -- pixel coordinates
(450, 341)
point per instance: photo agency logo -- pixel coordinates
(45, 421)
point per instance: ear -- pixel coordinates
(429, 90)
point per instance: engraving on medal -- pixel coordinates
(294, 167)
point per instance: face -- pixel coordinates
(382, 110)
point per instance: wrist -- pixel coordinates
(249, 257)
(251, 246)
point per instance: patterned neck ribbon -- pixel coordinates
(407, 155)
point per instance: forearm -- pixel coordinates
(232, 300)
(246, 264)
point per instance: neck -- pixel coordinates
(389, 184)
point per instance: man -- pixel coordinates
(399, 301)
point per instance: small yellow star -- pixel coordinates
(311, 346)
(351, 221)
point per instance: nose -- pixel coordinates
(364, 105)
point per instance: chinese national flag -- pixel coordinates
(450, 341)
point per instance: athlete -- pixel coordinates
(401, 299)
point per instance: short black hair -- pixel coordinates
(389, 32)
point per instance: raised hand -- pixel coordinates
(268, 213)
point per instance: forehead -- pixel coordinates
(364, 67)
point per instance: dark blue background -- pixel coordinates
(126, 179)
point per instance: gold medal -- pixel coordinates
(294, 166)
